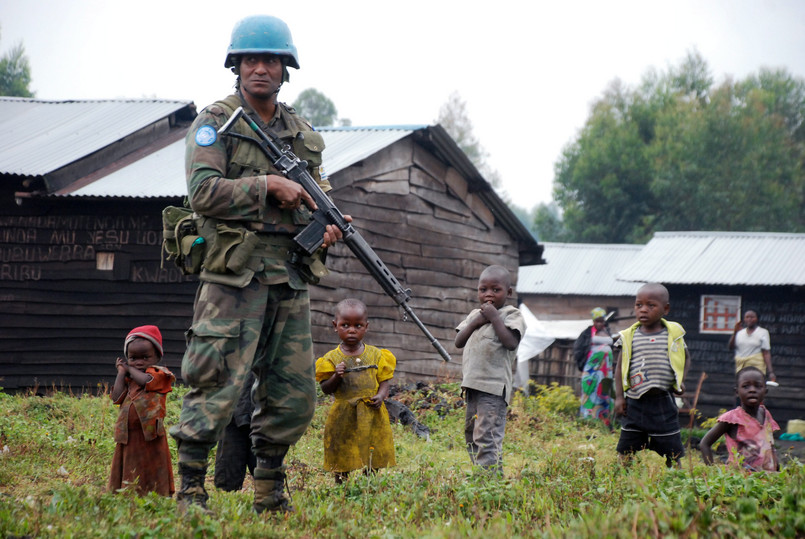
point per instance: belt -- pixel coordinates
(273, 244)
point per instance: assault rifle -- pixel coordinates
(309, 239)
(360, 368)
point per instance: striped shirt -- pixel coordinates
(650, 366)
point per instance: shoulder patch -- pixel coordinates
(206, 135)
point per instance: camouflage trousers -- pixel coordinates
(263, 328)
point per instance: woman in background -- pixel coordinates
(593, 354)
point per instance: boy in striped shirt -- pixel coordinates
(652, 363)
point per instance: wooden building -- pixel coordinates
(77, 273)
(712, 278)
(80, 241)
(575, 278)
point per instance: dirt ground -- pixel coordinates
(790, 447)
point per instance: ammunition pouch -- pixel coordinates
(311, 268)
(230, 249)
(234, 253)
(231, 245)
(181, 241)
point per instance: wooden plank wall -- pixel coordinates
(63, 321)
(555, 364)
(781, 311)
(431, 240)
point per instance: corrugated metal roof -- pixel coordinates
(345, 146)
(725, 258)
(38, 137)
(584, 269)
(162, 174)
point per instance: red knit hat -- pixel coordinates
(150, 333)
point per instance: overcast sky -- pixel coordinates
(527, 70)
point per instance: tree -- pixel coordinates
(547, 224)
(454, 119)
(679, 153)
(316, 108)
(602, 179)
(15, 73)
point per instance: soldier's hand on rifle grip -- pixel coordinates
(334, 233)
(288, 194)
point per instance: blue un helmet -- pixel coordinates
(262, 34)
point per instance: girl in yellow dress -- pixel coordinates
(357, 434)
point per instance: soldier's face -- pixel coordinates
(260, 75)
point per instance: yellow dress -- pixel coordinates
(357, 436)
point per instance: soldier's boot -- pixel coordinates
(192, 491)
(269, 491)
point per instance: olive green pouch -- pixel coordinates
(312, 268)
(181, 241)
(231, 249)
(192, 254)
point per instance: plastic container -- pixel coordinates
(796, 425)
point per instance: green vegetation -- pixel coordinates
(679, 152)
(561, 479)
(15, 72)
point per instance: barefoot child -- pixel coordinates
(490, 336)
(142, 458)
(357, 434)
(748, 428)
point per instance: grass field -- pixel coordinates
(562, 479)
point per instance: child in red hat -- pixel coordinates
(142, 458)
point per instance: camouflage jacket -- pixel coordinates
(226, 183)
(225, 175)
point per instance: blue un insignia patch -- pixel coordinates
(206, 135)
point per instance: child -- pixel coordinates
(748, 428)
(357, 434)
(652, 362)
(491, 335)
(141, 455)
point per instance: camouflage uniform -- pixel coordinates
(258, 317)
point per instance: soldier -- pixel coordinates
(252, 309)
